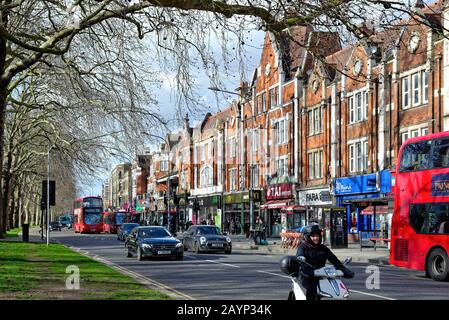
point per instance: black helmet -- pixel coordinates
(312, 228)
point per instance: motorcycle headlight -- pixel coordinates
(228, 239)
(178, 245)
(202, 239)
(147, 246)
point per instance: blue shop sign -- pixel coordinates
(356, 184)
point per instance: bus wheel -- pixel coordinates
(438, 265)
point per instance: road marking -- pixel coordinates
(371, 294)
(225, 264)
(274, 274)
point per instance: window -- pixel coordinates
(425, 87)
(416, 96)
(220, 174)
(416, 156)
(430, 218)
(358, 156)
(311, 167)
(405, 93)
(206, 177)
(255, 176)
(424, 131)
(413, 132)
(282, 131)
(273, 97)
(282, 167)
(311, 123)
(233, 179)
(440, 153)
(255, 140)
(264, 103)
(316, 121)
(232, 147)
(419, 93)
(358, 106)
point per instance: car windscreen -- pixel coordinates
(209, 230)
(129, 226)
(92, 218)
(93, 202)
(154, 233)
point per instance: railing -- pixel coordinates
(290, 240)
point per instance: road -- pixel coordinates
(246, 275)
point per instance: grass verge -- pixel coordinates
(12, 233)
(35, 271)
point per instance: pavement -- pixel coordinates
(365, 255)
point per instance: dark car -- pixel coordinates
(55, 225)
(206, 238)
(124, 230)
(148, 242)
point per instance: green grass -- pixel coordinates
(12, 233)
(35, 271)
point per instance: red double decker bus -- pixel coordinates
(87, 215)
(112, 220)
(420, 224)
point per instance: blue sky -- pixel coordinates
(230, 75)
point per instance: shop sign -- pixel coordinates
(280, 191)
(440, 185)
(356, 184)
(315, 197)
(256, 196)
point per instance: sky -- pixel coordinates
(217, 101)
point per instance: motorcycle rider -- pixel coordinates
(316, 255)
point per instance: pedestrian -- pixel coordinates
(227, 224)
(232, 226)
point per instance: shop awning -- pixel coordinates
(379, 210)
(294, 208)
(275, 204)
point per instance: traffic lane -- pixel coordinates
(397, 283)
(250, 268)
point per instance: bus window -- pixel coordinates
(416, 156)
(430, 218)
(93, 202)
(440, 153)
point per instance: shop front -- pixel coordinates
(237, 210)
(368, 201)
(204, 209)
(278, 197)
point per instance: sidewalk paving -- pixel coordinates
(366, 255)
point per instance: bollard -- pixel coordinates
(25, 232)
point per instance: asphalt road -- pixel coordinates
(245, 275)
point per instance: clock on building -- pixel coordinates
(413, 44)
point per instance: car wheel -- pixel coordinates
(228, 251)
(438, 265)
(184, 246)
(180, 258)
(139, 254)
(128, 254)
(197, 247)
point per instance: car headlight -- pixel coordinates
(147, 246)
(178, 245)
(202, 239)
(228, 239)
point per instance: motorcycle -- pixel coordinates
(329, 286)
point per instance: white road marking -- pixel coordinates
(225, 264)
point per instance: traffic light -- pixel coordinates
(44, 194)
